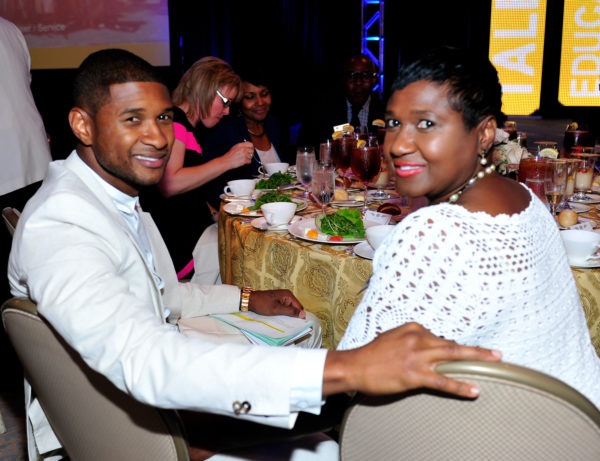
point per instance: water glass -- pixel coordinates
(305, 166)
(323, 185)
(555, 183)
(325, 153)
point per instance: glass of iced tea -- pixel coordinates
(341, 149)
(365, 161)
(532, 171)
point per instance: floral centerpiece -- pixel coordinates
(506, 153)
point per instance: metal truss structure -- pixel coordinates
(372, 40)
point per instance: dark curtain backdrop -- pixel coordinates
(302, 44)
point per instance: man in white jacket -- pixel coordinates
(100, 273)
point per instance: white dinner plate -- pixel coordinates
(594, 198)
(240, 208)
(347, 203)
(302, 226)
(579, 207)
(586, 265)
(261, 224)
(364, 250)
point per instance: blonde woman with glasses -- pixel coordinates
(178, 204)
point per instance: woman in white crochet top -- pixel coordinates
(484, 263)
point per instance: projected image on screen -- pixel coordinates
(60, 33)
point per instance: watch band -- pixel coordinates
(245, 298)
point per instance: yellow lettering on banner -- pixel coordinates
(580, 54)
(516, 49)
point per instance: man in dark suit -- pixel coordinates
(358, 105)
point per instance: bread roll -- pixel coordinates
(567, 218)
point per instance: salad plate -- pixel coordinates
(300, 228)
(364, 250)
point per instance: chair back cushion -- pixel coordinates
(519, 414)
(91, 417)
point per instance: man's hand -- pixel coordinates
(276, 302)
(399, 360)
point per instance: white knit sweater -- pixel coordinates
(501, 282)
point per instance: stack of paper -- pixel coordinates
(276, 330)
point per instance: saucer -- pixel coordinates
(261, 224)
(364, 250)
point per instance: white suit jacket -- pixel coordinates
(75, 257)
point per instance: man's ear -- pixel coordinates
(81, 125)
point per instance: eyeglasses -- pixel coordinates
(364, 75)
(226, 101)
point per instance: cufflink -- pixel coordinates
(241, 408)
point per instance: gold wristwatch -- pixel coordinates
(245, 298)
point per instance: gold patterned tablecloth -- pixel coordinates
(327, 278)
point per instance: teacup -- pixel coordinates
(581, 245)
(240, 188)
(278, 213)
(276, 167)
(377, 234)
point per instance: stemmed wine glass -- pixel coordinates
(555, 183)
(323, 185)
(365, 162)
(305, 166)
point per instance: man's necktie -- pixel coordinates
(354, 121)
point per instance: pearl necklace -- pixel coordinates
(490, 169)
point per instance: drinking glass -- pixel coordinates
(305, 166)
(575, 138)
(547, 149)
(573, 166)
(584, 175)
(382, 179)
(365, 162)
(532, 171)
(341, 148)
(325, 153)
(323, 185)
(555, 183)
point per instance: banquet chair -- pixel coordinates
(11, 217)
(93, 419)
(519, 414)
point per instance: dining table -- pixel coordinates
(329, 278)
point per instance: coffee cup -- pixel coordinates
(581, 245)
(377, 234)
(275, 167)
(278, 213)
(240, 188)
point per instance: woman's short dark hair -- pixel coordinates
(472, 81)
